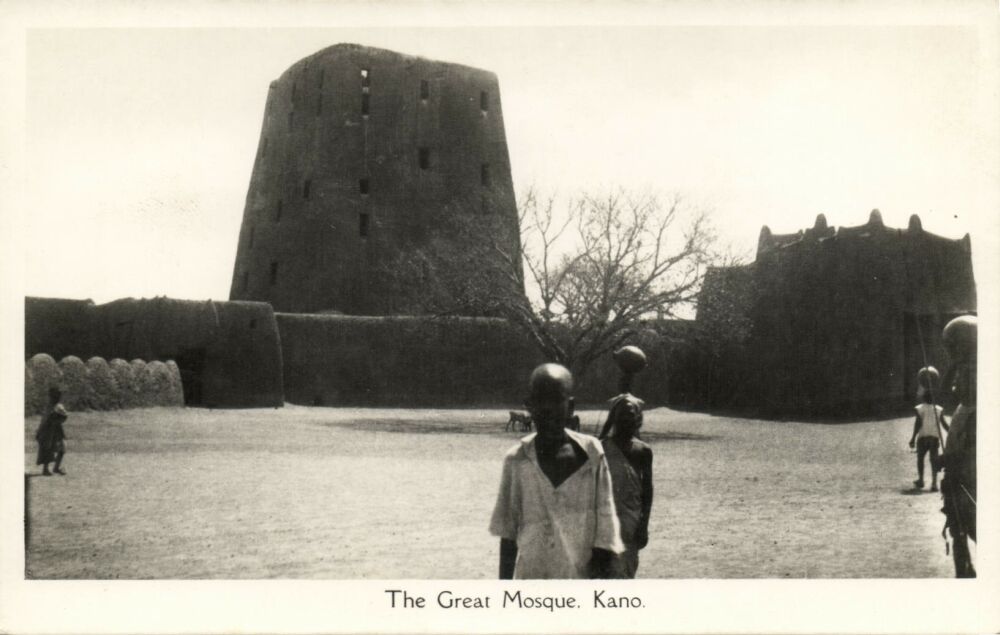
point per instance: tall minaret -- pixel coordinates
(365, 153)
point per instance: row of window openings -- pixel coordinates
(424, 160)
(307, 190)
(366, 106)
(365, 109)
(364, 189)
(425, 92)
(366, 82)
(365, 79)
(364, 223)
(364, 228)
(363, 218)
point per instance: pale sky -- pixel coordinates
(139, 143)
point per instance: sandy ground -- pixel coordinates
(364, 493)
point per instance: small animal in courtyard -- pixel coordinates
(520, 421)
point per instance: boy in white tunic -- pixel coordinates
(555, 512)
(927, 434)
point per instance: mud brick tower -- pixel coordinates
(366, 154)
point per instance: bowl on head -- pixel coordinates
(630, 359)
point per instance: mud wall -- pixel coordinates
(228, 350)
(403, 361)
(420, 361)
(58, 327)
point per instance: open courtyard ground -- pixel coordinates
(375, 493)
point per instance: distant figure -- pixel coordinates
(958, 487)
(555, 512)
(631, 464)
(927, 433)
(50, 434)
(573, 423)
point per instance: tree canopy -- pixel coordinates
(591, 272)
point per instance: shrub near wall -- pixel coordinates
(41, 372)
(98, 385)
(127, 390)
(76, 392)
(103, 390)
(157, 388)
(176, 387)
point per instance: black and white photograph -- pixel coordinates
(497, 319)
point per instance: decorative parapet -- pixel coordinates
(821, 232)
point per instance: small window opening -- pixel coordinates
(295, 86)
(484, 101)
(366, 79)
(484, 175)
(253, 323)
(274, 273)
(364, 104)
(363, 225)
(425, 89)
(251, 236)
(319, 105)
(363, 186)
(246, 280)
(291, 121)
(277, 213)
(424, 156)
(306, 188)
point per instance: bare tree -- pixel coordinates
(630, 257)
(588, 273)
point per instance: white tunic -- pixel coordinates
(929, 415)
(556, 527)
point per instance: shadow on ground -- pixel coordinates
(447, 427)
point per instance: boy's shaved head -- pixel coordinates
(550, 402)
(551, 381)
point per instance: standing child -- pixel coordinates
(927, 432)
(555, 512)
(631, 464)
(50, 434)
